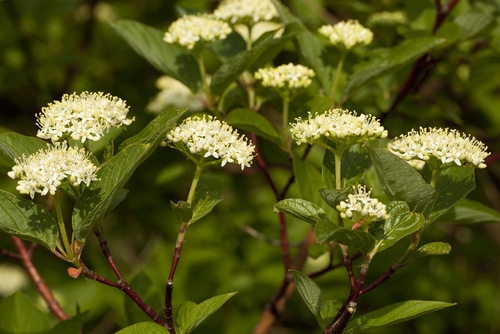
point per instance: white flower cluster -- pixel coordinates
(287, 77)
(209, 137)
(386, 19)
(44, 171)
(190, 30)
(347, 34)
(448, 146)
(247, 12)
(173, 93)
(337, 124)
(84, 116)
(361, 206)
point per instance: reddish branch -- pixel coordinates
(121, 283)
(40, 284)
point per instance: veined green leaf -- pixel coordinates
(401, 223)
(243, 61)
(13, 145)
(311, 295)
(433, 248)
(309, 46)
(333, 196)
(453, 184)
(203, 203)
(323, 229)
(474, 23)
(353, 238)
(355, 163)
(19, 315)
(190, 315)
(27, 220)
(387, 61)
(104, 194)
(249, 120)
(144, 327)
(393, 314)
(468, 211)
(170, 59)
(401, 182)
(70, 326)
(302, 209)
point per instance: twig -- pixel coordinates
(40, 284)
(125, 287)
(121, 283)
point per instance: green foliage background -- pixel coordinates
(48, 48)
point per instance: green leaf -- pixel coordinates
(144, 328)
(401, 182)
(302, 209)
(470, 212)
(323, 229)
(393, 314)
(308, 178)
(157, 129)
(182, 211)
(386, 61)
(103, 195)
(170, 59)
(19, 315)
(70, 326)
(453, 184)
(265, 47)
(251, 121)
(474, 23)
(27, 220)
(355, 163)
(333, 196)
(309, 47)
(433, 248)
(203, 203)
(14, 145)
(358, 239)
(311, 295)
(401, 223)
(328, 311)
(190, 315)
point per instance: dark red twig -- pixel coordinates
(121, 283)
(40, 284)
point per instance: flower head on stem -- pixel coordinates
(82, 116)
(347, 34)
(247, 12)
(343, 127)
(44, 171)
(192, 30)
(361, 208)
(285, 79)
(441, 147)
(207, 137)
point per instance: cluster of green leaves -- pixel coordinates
(412, 203)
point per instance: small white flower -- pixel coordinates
(190, 30)
(448, 146)
(247, 12)
(337, 125)
(347, 34)
(173, 93)
(360, 206)
(84, 116)
(44, 171)
(209, 137)
(285, 78)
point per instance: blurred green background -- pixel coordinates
(48, 48)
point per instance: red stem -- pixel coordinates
(40, 284)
